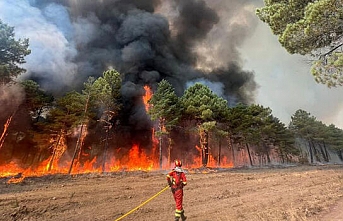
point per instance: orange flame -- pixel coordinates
(4, 133)
(212, 162)
(16, 179)
(136, 159)
(59, 148)
(147, 97)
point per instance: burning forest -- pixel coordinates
(131, 85)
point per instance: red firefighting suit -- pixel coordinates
(177, 180)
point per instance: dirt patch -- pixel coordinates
(335, 212)
(296, 193)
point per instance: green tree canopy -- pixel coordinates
(12, 53)
(36, 99)
(283, 139)
(335, 137)
(302, 124)
(165, 105)
(105, 92)
(316, 134)
(201, 104)
(310, 27)
(255, 125)
(67, 113)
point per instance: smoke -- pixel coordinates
(285, 81)
(11, 96)
(147, 41)
(48, 30)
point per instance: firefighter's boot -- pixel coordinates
(183, 217)
(177, 218)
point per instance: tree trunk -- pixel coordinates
(310, 151)
(323, 153)
(248, 149)
(169, 150)
(282, 156)
(160, 152)
(266, 149)
(105, 149)
(80, 135)
(39, 113)
(4, 133)
(160, 127)
(76, 149)
(327, 156)
(261, 159)
(54, 151)
(204, 146)
(340, 155)
(315, 151)
(219, 151)
(231, 145)
(268, 158)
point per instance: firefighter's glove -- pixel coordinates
(169, 183)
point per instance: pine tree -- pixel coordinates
(310, 27)
(166, 109)
(200, 104)
(12, 54)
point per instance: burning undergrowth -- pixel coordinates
(21, 179)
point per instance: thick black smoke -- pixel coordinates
(146, 41)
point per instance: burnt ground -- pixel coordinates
(309, 193)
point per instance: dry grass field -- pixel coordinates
(292, 193)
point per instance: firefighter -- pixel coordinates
(177, 180)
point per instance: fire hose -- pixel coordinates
(142, 204)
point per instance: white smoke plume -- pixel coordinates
(11, 96)
(49, 32)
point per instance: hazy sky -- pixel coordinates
(285, 81)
